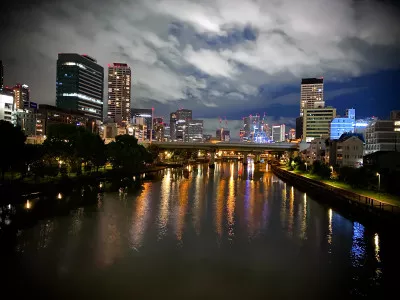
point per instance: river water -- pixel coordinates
(230, 233)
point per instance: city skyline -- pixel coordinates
(212, 62)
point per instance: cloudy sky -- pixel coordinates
(221, 58)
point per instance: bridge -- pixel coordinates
(226, 146)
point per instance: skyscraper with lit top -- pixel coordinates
(119, 93)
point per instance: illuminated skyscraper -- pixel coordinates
(79, 84)
(278, 133)
(147, 115)
(21, 96)
(312, 94)
(119, 93)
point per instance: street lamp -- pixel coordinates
(306, 166)
(379, 182)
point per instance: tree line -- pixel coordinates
(69, 149)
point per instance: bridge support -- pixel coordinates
(211, 165)
(257, 158)
(245, 158)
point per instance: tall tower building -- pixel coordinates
(79, 84)
(119, 93)
(1, 74)
(21, 96)
(312, 94)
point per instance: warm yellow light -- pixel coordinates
(28, 204)
(377, 174)
(59, 196)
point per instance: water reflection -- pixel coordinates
(222, 226)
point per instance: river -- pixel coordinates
(230, 233)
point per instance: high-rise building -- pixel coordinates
(223, 135)
(299, 127)
(183, 116)
(246, 127)
(172, 126)
(79, 84)
(6, 107)
(278, 133)
(340, 126)
(119, 93)
(21, 96)
(26, 120)
(147, 115)
(351, 113)
(195, 130)
(382, 135)
(316, 122)
(1, 74)
(158, 129)
(292, 134)
(167, 132)
(312, 94)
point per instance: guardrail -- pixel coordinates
(353, 198)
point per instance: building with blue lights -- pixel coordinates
(79, 84)
(340, 126)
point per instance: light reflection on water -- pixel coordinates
(238, 218)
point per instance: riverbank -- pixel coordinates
(352, 202)
(67, 182)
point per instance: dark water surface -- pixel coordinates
(228, 233)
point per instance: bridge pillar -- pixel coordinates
(245, 158)
(257, 158)
(212, 160)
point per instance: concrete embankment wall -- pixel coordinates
(347, 201)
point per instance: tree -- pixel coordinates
(154, 151)
(126, 154)
(11, 153)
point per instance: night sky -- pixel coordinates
(221, 58)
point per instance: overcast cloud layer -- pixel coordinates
(211, 56)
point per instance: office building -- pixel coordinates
(179, 125)
(316, 123)
(172, 126)
(278, 133)
(1, 74)
(119, 93)
(21, 96)
(292, 134)
(299, 127)
(223, 135)
(167, 132)
(351, 113)
(158, 129)
(26, 120)
(147, 115)
(139, 129)
(48, 115)
(382, 135)
(312, 94)
(207, 137)
(195, 130)
(79, 84)
(6, 107)
(340, 126)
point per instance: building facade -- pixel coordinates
(312, 94)
(158, 129)
(382, 135)
(278, 133)
(1, 74)
(79, 84)
(21, 96)
(195, 130)
(316, 122)
(395, 115)
(48, 115)
(26, 119)
(315, 152)
(147, 115)
(299, 128)
(292, 134)
(223, 135)
(348, 151)
(6, 107)
(340, 126)
(119, 93)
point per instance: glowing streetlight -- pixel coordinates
(306, 166)
(379, 181)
